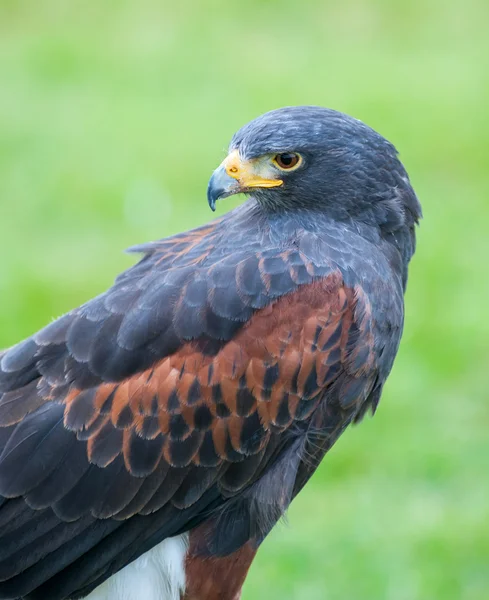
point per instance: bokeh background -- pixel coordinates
(113, 115)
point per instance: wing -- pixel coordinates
(191, 387)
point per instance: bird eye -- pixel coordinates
(287, 160)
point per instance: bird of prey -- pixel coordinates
(151, 438)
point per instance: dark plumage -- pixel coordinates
(205, 386)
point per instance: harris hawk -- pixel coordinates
(151, 438)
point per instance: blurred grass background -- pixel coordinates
(112, 117)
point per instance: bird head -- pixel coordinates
(317, 159)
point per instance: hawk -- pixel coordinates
(151, 438)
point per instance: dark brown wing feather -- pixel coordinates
(118, 410)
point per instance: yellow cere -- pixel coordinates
(254, 173)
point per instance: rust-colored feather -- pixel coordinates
(209, 416)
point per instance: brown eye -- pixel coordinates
(287, 160)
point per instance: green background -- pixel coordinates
(113, 115)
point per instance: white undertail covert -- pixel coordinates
(159, 574)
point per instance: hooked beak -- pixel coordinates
(220, 185)
(235, 175)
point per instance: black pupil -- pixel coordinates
(287, 159)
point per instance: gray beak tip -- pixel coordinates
(220, 185)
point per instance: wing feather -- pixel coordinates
(168, 396)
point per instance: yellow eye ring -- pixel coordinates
(287, 161)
